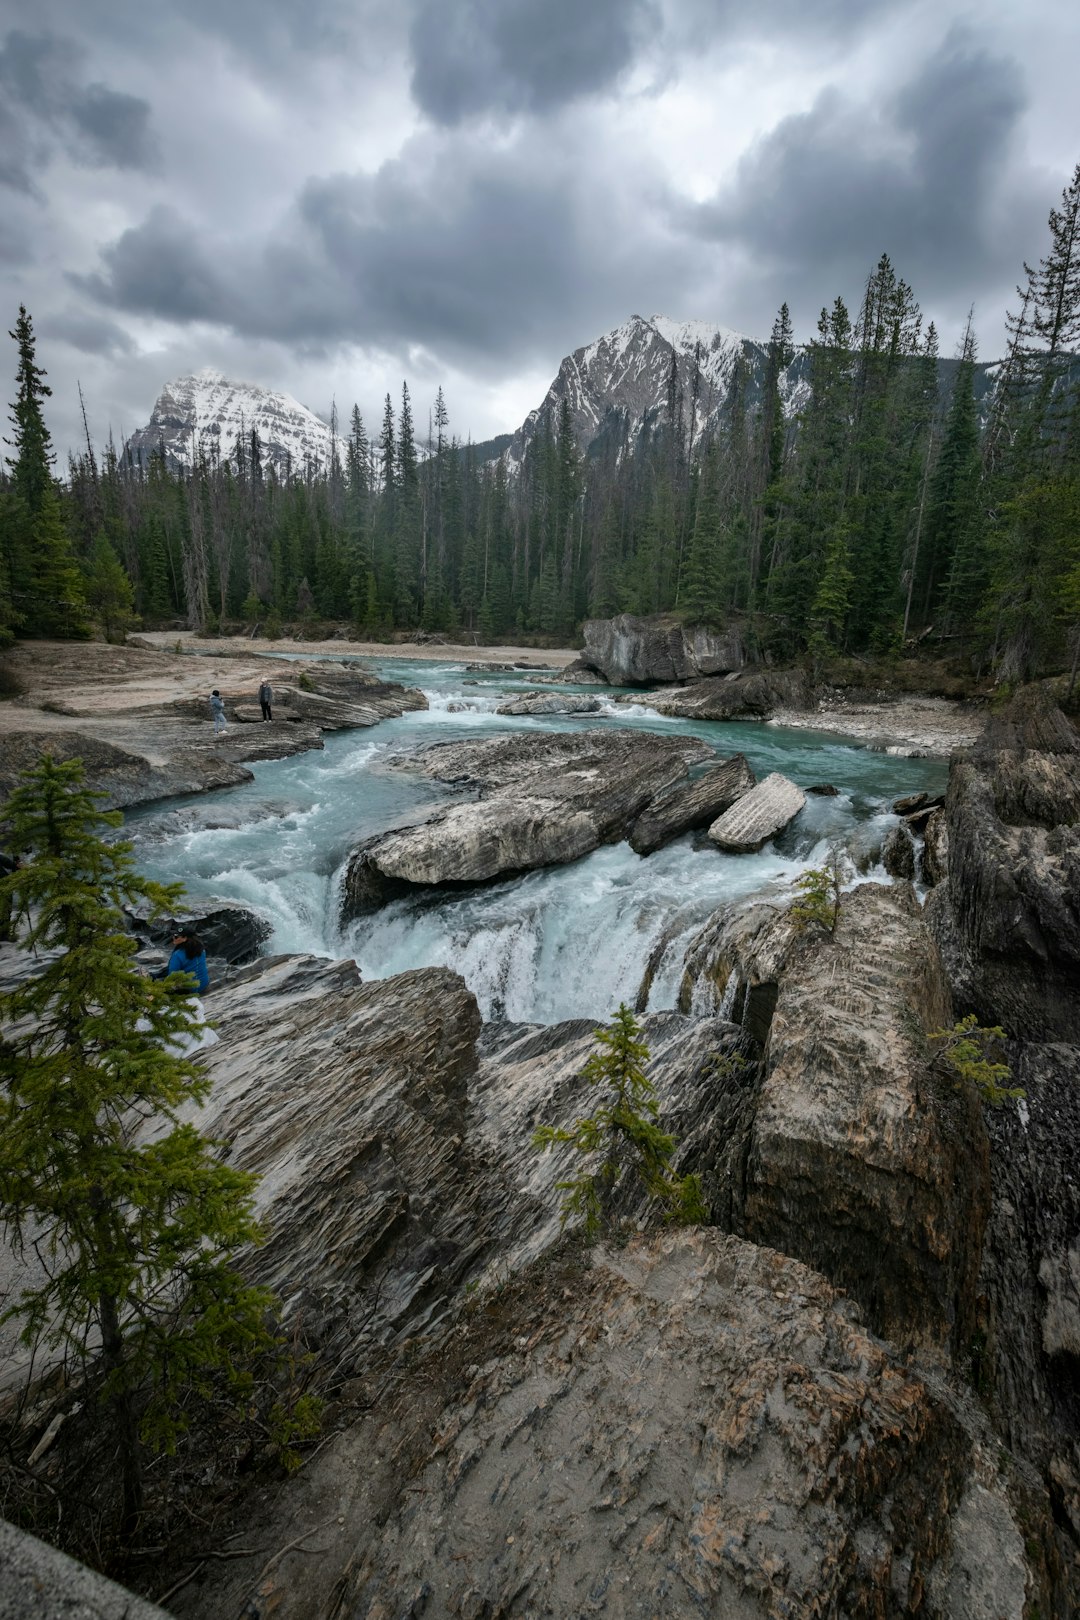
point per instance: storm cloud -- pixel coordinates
(522, 56)
(45, 100)
(329, 195)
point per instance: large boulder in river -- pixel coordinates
(751, 695)
(550, 703)
(692, 804)
(759, 815)
(546, 799)
(1007, 916)
(861, 1161)
(629, 651)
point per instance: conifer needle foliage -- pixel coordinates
(133, 1218)
(965, 1051)
(621, 1137)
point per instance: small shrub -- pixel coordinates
(963, 1051)
(305, 682)
(624, 1132)
(819, 896)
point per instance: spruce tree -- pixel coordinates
(43, 580)
(136, 1227)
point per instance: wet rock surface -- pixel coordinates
(758, 815)
(228, 931)
(699, 1427)
(169, 747)
(629, 651)
(898, 853)
(550, 703)
(861, 1163)
(544, 800)
(755, 695)
(693, 804)
(1007, 918)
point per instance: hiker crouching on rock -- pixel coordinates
(217, 709)
(188, 956)
(266, 697)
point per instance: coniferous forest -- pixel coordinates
(891, 509)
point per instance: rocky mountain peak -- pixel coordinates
(210, 410)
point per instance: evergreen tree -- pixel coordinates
(42, 582)
(108, 590)
(137, 1235)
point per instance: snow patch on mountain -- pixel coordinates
(208, 412)
(626, 372)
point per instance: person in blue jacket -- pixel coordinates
(188, 956)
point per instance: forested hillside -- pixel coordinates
(886, 509)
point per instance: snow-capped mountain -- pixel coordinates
(210, 410)
(622, 378)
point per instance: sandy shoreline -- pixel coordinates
(441, 652)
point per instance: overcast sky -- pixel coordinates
(327, 196)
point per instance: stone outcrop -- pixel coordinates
(229, 931)
(546, 799)
(735, 963)
(550, 703)
(898, 853)
(1007, 918)
(695, 1426)
(758, 815)
(862, 1163)
(692, 804)
(754, 695)
(934, 858)
(39, 1583)
(629, 651)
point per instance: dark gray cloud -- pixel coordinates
(917, 176)
(521, 56)
(159, 268)
(478, 259)
(44, 99)
(86, 331)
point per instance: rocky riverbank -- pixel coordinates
(139, 718)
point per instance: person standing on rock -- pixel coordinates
(217, 709)
(266, 697)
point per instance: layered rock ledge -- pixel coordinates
(694, 804)
(544, 800)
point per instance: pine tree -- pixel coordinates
(137, 1235)
(43, 586)
(108, 590)
(624, 1134)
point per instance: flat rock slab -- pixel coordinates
(550, 703)
(693, 804)
(544, 800)
(758, 815)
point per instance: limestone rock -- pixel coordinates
(550, 703)
(898, 853)
(227, 930)
(629, 651)
(861, 1163)
(546, 799)
(697, 1427)
(1007, 918)
(754, 695)
(934, 860)
(758, 815)
(693, 804)
(735, 963)
(1030, 1278)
